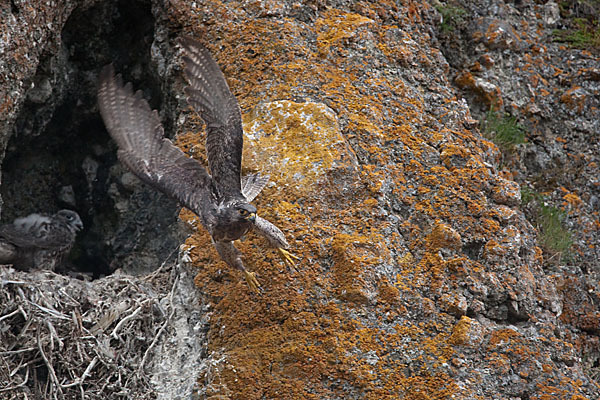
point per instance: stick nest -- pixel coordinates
(63, 338)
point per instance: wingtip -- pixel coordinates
(107, 78)
(187, 63)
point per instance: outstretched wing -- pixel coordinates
(210, 96)
(143, 149)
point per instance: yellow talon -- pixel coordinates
(288, 258)
(252, 282)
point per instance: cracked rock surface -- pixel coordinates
(423, 273)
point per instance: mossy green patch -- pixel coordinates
(453, 16)
(554, 237)
(503, 129)
(583, 34)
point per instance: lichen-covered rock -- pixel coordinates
(419, 277)
(549, 83)
(28, 33)
(295, 143)
(419, 274)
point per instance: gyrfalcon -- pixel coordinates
(39, 241)
(222, 198)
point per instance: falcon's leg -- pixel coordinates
(288, 258)
(276, 239)
(232, 257)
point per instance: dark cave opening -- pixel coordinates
(60, 155)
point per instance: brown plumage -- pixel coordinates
(221, 199)
(39, 241)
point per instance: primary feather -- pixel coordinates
(210, 96)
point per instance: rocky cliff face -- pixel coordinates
(426, 267)
(56, 151)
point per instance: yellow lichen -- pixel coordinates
(308, 328)
(294, 142)
(337, 26)
(461, 331)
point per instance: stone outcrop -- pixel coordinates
(422, 274)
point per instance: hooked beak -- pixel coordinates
(252, 217)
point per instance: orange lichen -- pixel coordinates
(574, 98)
(335, 27)
(388, 294)
(460, 333)
(465, 80)
(501, 338)
(572, 199)
(351, 253)
(451, 152)
(339, 172)
(443, 236)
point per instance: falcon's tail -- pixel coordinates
(253, 184)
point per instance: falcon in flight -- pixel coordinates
(220, 199)
(39, 241)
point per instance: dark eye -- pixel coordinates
(69, 217)
(243, 212)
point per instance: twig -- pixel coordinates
(161, 330)
(49, 366)
(77, 319)
(28, 363)
(123, 321)
(49, 311)
(9, 315)
(11, 352)
(28, 323)
(23, 312)
(85, 374)
(53, 335)
(88, 369)
(3, 282)
(20, 384)
(106, 320)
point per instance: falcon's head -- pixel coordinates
(246, 212)
(234, 220)
(70, 218)
(236, 212)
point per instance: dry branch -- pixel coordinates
(54, 334)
